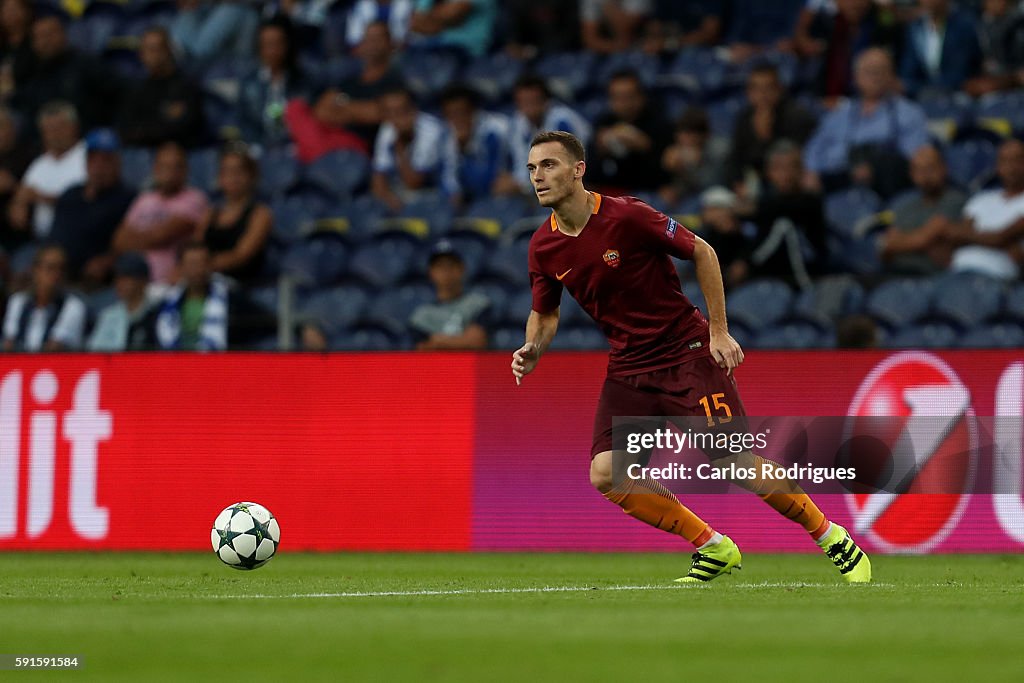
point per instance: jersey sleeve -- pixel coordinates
(660, 232)
(547, 291)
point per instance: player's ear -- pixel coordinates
(581, 168)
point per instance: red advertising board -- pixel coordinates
(427, 451)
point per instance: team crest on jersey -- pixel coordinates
(611, 257)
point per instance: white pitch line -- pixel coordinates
(506, 591)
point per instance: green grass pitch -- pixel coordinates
(185, 617)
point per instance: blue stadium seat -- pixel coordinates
(845, 209)
(339, 173)
(760, 303)
(136, 166)
(857, 255)
(519, 306)
(957, 108)
(900, 302)
(643, 64)
(493, 75)
(385, 261)
(722, 114)
(365, 339)
(967, 299)
(498, 294)
(693, 292)
(265, 297)
(316, 262)
(793, 335)
(427, 72)
(928, 336)
(509, 263)
(292, 219)
(571, 314)
(334, 31)
(830, 298)
(202, 168)
(279, 171)
(433, 208)
(1006, 106)
(336, 309)
(396, 305)
(970, 161)
(579, 339)
(1013, 304)
(567, 73)
(98, 300)
(508, 338)
(998, 336)
(491, 216)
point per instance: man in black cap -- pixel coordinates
(453, 322)
(126, 325)
(86, 216)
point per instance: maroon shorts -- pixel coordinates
(691, 389)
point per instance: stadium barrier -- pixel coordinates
(430, 451)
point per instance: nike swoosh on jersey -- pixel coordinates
(562, 276)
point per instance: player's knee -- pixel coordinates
(601, 472)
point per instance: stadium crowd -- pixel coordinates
(164, 164)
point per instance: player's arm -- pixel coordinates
(540, 330)
(724, 348)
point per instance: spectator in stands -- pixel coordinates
(837, 33)
(14, 159)
(730, 237)
(45, 317)
(194, 314)
(536, 28)
(994, 221)
(790, 220)
(465, 25)
(129, 323)
(303, 14)
(610, 26)
(868, 140)
(206, 30)
(61, 73)
(769, 116)
(856, 332)
(162, 219)
(535, 111)
(628, 140)
(347, 115)
(940, 49)
(680, 24)
(394, 14)
(695, 161)
(264, 94)
(87, 215)
(915, 243)
(414, 152)
(312, 337)
(238, 228)
(1001, 40)
(165, 106)
(454, 321)
(16, 57)
(757, 26)
(61, 166)
(480, 138)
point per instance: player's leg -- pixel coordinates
(647, 499)
(700, 387)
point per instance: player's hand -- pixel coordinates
(524, 360)
(725, 351)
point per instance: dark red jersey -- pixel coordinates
(618, 269)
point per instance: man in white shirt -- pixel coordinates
(62, 165)
(44, 317)
(414, 151)
(994, 225)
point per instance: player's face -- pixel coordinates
(553, 173)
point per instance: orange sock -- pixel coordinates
(650, 502)
(788, 499)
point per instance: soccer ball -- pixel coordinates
(245, 535)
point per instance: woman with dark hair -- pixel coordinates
(265, 92)
(237, 229)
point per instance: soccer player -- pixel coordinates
(613, 254)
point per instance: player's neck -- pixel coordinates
(575, 211)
